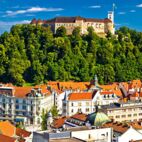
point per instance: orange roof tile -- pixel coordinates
(21, 92)
(118, 93)
(81, 96)
(140, 95)
(59, 122)
(136, 94)
(106, 93)
(22, 133)
(4, 138)
(68, 85)
(117, 127)
(79, 116)
(135, 84)
(7, 128)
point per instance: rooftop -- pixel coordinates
(4, 138)
(81, 96)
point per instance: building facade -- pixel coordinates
(130, 111)
(24, 104)
(100, 26)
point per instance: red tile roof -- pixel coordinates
(135, 84)
(4, 138)
(117, 126)
(70, 20)
(58, 123)
(22, 133)
(79, 116)
(106, 93)
(7, 128)
(22, 92)
(68, 85)
(136, 94)
(81, 96)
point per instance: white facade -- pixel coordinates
(27, 109)
(71, 107)
(130, 134)
(100, 135)
(107, 98)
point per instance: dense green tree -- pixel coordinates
(54, 111)
(34, 54)
(44, 120)
(61, 32)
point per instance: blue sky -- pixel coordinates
(128, 12)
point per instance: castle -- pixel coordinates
(100, 26)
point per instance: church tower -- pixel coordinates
(111, 17)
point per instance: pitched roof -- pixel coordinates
(4, 138)
(58, 123)
(59, 86)
(70, 20)
(106, 92)
(117, 127)
(79, 116)
(7, 128)
(22, 92)
(22, 133)
(81, 96)
(136, 94)
(135, 84)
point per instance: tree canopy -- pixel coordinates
(34, 54)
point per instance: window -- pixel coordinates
(71, 104)
(24, 107)
(79, 110)
(135, 114)
(17, 106)
(140, 114)
(87, 109)
(17, 101)
(117, 116)
(72, 110)
(24, 101)
(129, 115)
(123, 116)
(87, 103)
(79, 104)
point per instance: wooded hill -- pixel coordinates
(33, 54)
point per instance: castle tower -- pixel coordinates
(111, 17)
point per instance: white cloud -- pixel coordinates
(132, 11)
(32, 10)
(95, 6)
(122, 13)
(5, 26)
(139, 5)
(3, 23)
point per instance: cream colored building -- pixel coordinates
(100, 26)
(24, 104)
(130, 111)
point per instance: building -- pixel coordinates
(24, 104)
(128, 111)
(79, 134)
(125, 131)
(10, 133)
(100, 26)
(87, 100)
(84, 102)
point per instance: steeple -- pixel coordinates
(96, 81)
